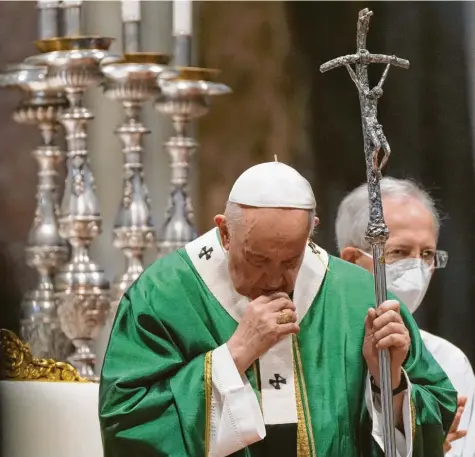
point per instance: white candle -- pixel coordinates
(182, 17)
(130, 10)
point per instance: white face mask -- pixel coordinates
(408, 279)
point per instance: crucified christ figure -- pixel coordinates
(370, 117)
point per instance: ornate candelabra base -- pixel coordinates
(83, 291)
(46, 251)
(184, 99)
(132, 81)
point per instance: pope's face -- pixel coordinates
(265, 249)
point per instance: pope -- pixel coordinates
(253, 341)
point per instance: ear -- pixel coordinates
(316, 222)
(221, 223)
(351, 254)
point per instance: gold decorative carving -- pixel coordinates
(18, 364)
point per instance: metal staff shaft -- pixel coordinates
(377, 232)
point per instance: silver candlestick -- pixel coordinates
(83, 291)
(133, 81)
(45, 250)
(184, 99)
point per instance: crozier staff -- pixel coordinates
(253, 341)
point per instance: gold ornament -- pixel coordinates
(18, 364)
(284, 318)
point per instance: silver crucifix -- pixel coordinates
(377, 232)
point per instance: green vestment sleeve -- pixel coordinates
(433, 397)
(151, 402)
(433, 400)
(334, 375)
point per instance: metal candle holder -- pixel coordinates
(132, 81)
(83, 291)
(46, 250)
(184, 99)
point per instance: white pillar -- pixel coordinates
(104, 18)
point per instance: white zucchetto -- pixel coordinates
(273, 185)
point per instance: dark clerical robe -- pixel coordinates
(169, 386)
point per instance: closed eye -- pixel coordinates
(292, 262)
(256, 260)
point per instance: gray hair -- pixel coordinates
(233, 214)
(353, 212)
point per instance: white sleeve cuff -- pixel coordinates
(373, 403)
(236, 418)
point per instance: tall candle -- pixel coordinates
(130, 10)
(72, 23)
(48, 19)
(72, 3)
(182, 17)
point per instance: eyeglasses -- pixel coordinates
(434, 259)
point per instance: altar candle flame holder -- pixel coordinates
(83, 290)
(46, 250)
(184, 98)
(133, 81)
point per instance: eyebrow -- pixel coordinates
(254, 254)
(408, 247)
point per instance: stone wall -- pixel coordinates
(17, 166)
(250, 43)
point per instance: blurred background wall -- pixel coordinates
(269, 54)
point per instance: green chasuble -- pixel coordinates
(157, 381)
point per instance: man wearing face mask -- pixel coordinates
(411, 259)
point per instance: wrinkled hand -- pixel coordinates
(258, 330)
(385, 329)
(454, 433)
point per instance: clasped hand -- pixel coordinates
(385, 329)
(259, 329)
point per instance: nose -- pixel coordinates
(274, 279)
(273, 285)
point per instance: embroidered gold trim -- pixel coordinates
(258, 384)
(208, 378)
(18, 363)
(304, 400)
(413, 419)
(313, 246)
(303, 445)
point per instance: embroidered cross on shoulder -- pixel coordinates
(205, 252)
(313, 247)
